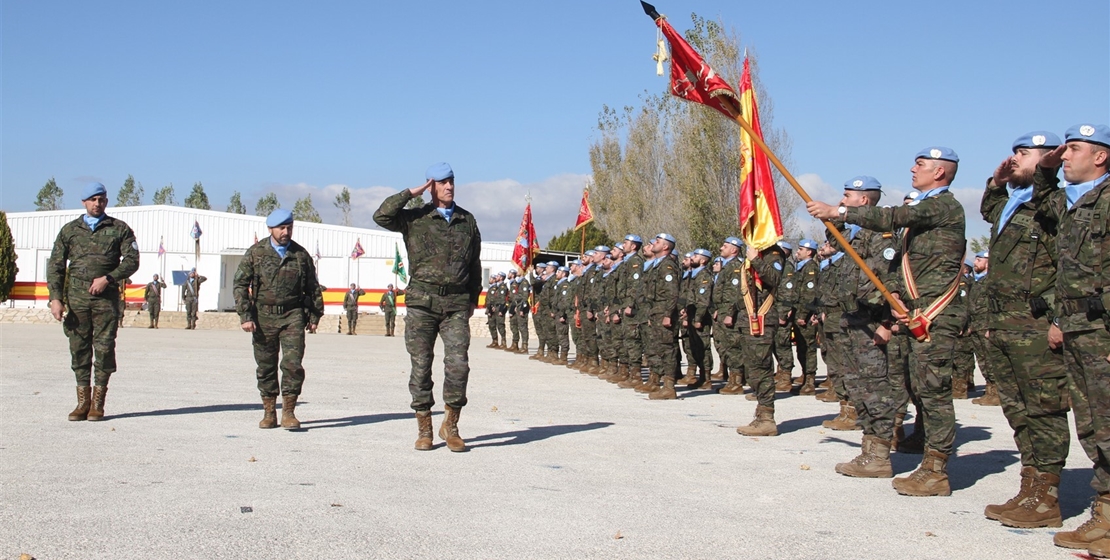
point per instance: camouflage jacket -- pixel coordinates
(768, 265)
(266, 282)
(630, 289)
(445, 257)
(807, 289)
(936, 243)
(661, 291)
(518, 298)
(832, 276)
(194, 293)
(591, 289)
(1023, 259)
(699, 298)
(726, 288)
(350, 300)
(500, 297)
(561, 293)
(85, 255)
(858, 297)
(1083, 256)
(785, 297)
(977, 312)
(153, 291)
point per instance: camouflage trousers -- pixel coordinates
(633, 354)
(540, 322)
(284, 332)
(422, 327)
(587, 347)
(191, 308)
(661, 346)
(491, 323)
(868, 381)
(784, 347)
(1085, 355)
(759, 366)
(154, 309)
(931, 380)
(390, 319)
(607, 340)
(898, 359)
(984, 356)
(727, 340)
(562, 337)
(499, 324)
(698, 352)
(834, 349)
(1032, 384)
(963, 363)
(91, 324)
(352, 320)
(805, 337)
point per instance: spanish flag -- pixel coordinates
(760, 222)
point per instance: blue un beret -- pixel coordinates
(590, 252)
(279, 217)
(93, 189)
(1037, 139)
(688, 255)
(666, 237)
(576, 262)
(734, 241)
(552, 263)
(938, 152)
(439, 172)
(602, 249)
(863, 183)
(983, 255)
(786, 245)
(563, 269)
(808, 244)
(1090, 133)
(634, 238)
(703, 253)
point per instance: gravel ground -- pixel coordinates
(561, 466)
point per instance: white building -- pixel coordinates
(225, 238)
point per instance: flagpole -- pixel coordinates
(739, 118)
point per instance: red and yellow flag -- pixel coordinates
(585, 213)
(760, 222)
(692, 78)
(526, 244)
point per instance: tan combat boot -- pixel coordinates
(691, 376)
(538, 355)
(993, 511)
(763, 425)
(850, 421)
(288, 418)
(839, 417)
(720, 375)
(930, 479)
(513, 348)
(751, 397)
(561, 360)
(734, 386)
(828, 395)
(808, 387)
(959, 388)
(492, 344)
(782, 381)
(666, 392)
(449, 429)
(84, 401)
(634, 378)
(1041, 508)
(523, 348)
(989, 398)
(650, 385)
(620, 375)
(872, 462)
(96, 408)
(826, 384)
(424, 430)
(610, 371)
(1091, 531)
(899, 429)
(269, 415)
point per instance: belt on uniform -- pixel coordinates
(996, 305)
(1087, 305)
(438, 290)
(277, 309)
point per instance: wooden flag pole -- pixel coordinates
(739, 118)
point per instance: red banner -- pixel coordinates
(691, 78)
(585, 213)
(526, 248)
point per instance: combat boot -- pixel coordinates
(96, 408)
(449, 429)
(849, 422)
(597, 367)
(993, 511)
(666, 392)
(561, 360)
(989, 398)
(492, 344)
(269, 415)
(899, 429)
(828, 395)
(288, 407)
(751, 397)
(1041, 508)
(424, 430)
(826, 384)
(691, 376)
(612, 372)
(84, 398)
(538, 355)
(959, 388)
(839, 417)
(734, 386)
(705, 381)
(763, 425)
(782, 381)
(808, 387)
(872, 462)
(620, 375)
(650, 385)
(930, 479)
(523, 348)
(514, 348)
(1091, 531)
(720, 375)
(634, 379)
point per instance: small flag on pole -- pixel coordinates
(585, 213)
(161, 248)
(196, 232)
(399, 265)
(357, 252)
(316, 255)
(256, 238)
(526, 248)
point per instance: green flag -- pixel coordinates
(399, 265)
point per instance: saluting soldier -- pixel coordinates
(350, 306)
(152, 293)
(277, 297)
(388, 305)
(89, 254)
(977, 325)
(930, 270)
(190, 294)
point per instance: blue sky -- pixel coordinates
(301, 98)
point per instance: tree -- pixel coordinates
(8, 256)
(165, 196)
(197, 199)
(674, 166)
(130, 194)
(236, 204)
(266, 204)
(49, 197)
(343, 203)
(570, 241)
(979, 244)
(304, 211)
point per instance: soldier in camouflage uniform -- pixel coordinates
(785, 300)
(350, 306)
(933, 249)
(491, 323)
(587, 360)
(612, 341)
(388, 306)
(445, 247)
(512, 287)
(685, 265)
(756, 322)
(963, 363)
(1080, 326)
(574, 325)
(726, 336)
(698, 319)
(277, 297)
(867, 321)
(1029, 378)
(89, 254)
(190, 294)
(152, 293)
(633, 316)
(559, 309)
(500, 297)
(834, 338)
(661, 330)
(542, 315)
(805, 321)
(123, 300)
(977, 325)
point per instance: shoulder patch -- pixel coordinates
(735, 281)
(809, 285)
(669, 278)
(778, 266)
(889, 253)
(135, 245)
(636, 276)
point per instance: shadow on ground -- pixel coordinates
(238, 407)
(1075, 488)
(529, 435)
(360, 420)
(965, 470)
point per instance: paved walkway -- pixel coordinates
(562, 466)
